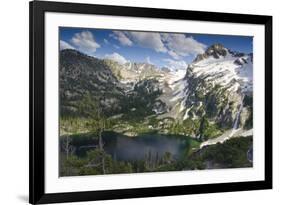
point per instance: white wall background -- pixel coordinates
(14, 100)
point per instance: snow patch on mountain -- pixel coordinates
(228, 71)
(231, 71)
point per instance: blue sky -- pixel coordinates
(160, 49)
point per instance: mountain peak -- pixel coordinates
(216, 50)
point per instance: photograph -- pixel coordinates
(132, 102)
(119, 102)
(150, 101)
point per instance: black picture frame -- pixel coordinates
(37, 9)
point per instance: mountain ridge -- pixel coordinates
(213, 86)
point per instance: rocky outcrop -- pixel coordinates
(215, 51)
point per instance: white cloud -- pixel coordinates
(65, 45)
(147, 59)
(122, 38)
(176, 45)
(143, 39)
(115, 46)
(105, 41)
(116, 57)
(85, 42)
(179, 45)
(149, 40)
(174, 54)
(175, 65)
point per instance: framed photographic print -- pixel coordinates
(140, 102)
